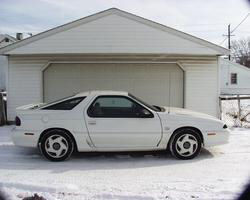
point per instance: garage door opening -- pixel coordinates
(158, 84)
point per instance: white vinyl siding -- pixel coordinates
(25, 84)
(3, 67)
(243, 78)
(200, 84)
(201, 87)
(114, 34)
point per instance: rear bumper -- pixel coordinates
(20, 138)
(214, 138)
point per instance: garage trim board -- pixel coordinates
(110, 62)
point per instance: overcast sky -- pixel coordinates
(207, 19)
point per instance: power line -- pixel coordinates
(241, 22)
(223, 41)
(229, 33)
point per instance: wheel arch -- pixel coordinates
(61, 129)
(185, 127)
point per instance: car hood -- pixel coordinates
(186, 112)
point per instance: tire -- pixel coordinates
(56, 145)
(186, 144)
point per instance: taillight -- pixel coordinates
(18, 121)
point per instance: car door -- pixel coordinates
(121, 123)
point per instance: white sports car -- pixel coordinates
(114, 121)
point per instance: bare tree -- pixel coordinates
(241, 51)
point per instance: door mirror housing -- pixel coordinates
(144, 113)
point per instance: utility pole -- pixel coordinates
(229, 40)
(229, 35)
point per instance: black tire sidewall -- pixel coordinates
(63, 134)
(177, 136)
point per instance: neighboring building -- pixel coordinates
(115, 50)
(4, 41)
(235, 78)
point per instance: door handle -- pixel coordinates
(92, 122)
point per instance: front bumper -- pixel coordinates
(20, 138)
(214, 138)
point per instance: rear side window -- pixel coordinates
(65, 105)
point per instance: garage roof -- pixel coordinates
(113, 31)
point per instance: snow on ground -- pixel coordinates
(218, 173)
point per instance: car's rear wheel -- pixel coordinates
(186, 144)
(56, 145)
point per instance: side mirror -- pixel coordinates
(144, 113)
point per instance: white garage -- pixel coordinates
(115, 50)
(149, 81)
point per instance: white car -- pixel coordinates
(102, 121)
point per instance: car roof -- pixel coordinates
(101, 92)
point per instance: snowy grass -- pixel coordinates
(218, 173)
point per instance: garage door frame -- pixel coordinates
(115, 62)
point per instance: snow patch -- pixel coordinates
(218, 173)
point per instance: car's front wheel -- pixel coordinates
(56, 145)
(186, 144)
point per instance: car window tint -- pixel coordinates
(114, 107)
(65, 105)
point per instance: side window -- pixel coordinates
(114, 102)
(116, 107)
(233, 78)
(65, 105)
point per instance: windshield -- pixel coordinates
(153, 107)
